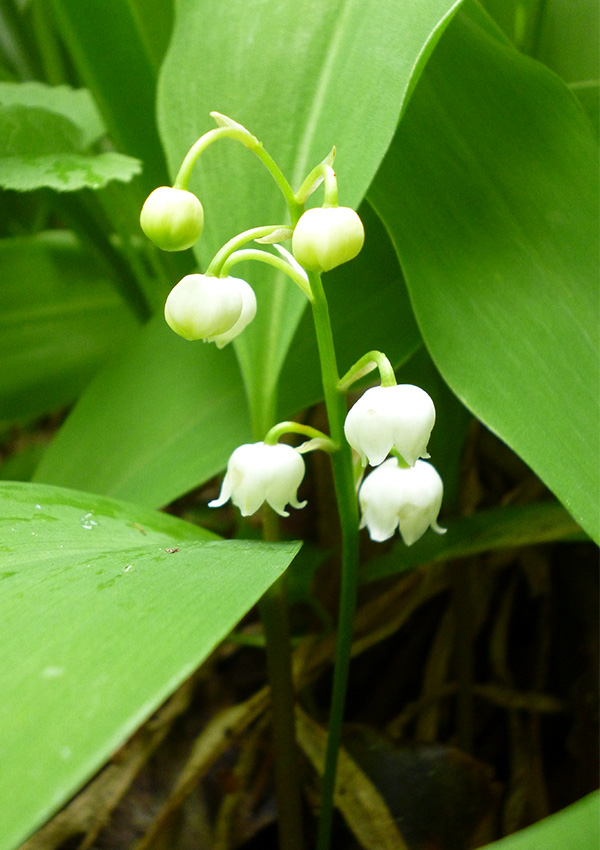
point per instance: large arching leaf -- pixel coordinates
(496, 168)
(106, 608)
(302, 76)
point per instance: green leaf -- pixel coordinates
(66, 172)
(115, 48)
(336, 89)
(577, 828)
(91, 594)
(569, 38)
(160, 418)
(28, 132)
(44, 135)
(497, 234)
(59, 318)
(485, 531)
(76, 105)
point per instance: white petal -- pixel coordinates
(246, 316)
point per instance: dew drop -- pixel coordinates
(88, 521)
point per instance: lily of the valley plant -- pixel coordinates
(388, 427)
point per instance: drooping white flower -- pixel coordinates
(326, 237)
(386, 418)
(214, 309)
(172, 218)
(410, 498)
(259, 472)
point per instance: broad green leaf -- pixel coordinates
(41, 147)
(485, 531)
(59, 318)
(496, 232)
(519, 19)
(76, 105)
(299, 77)
(66, 172)
(588, 95)
(106, 609)
(31, 131)
(575, 828)
(116, 56)
(569, 38)
(160, 418)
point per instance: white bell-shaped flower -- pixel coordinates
(214, 309)
(408, 497)
(386, 418)
(259, 472)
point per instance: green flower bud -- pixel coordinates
(172, 218)
(326, 237)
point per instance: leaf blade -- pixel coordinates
(134, 591)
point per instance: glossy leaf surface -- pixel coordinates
(329, 94)
(497, 235)
(119, 63)
(76, 105)
(106, 609)
(576, 827)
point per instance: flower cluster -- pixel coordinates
(404, 491)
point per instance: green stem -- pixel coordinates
(343, 474)
(271, 260)
(288, 427)
(273, 609)
(218, 261)
(369, 361)
(314, 179)
(249, 141)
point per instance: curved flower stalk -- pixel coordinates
(400, 417)
(213, 309)
(260, 472)
(408, 498)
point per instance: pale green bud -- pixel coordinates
(326, 237)
(172, 218)
(214, 309)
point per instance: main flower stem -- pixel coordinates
(274, 615)
(348, 512)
